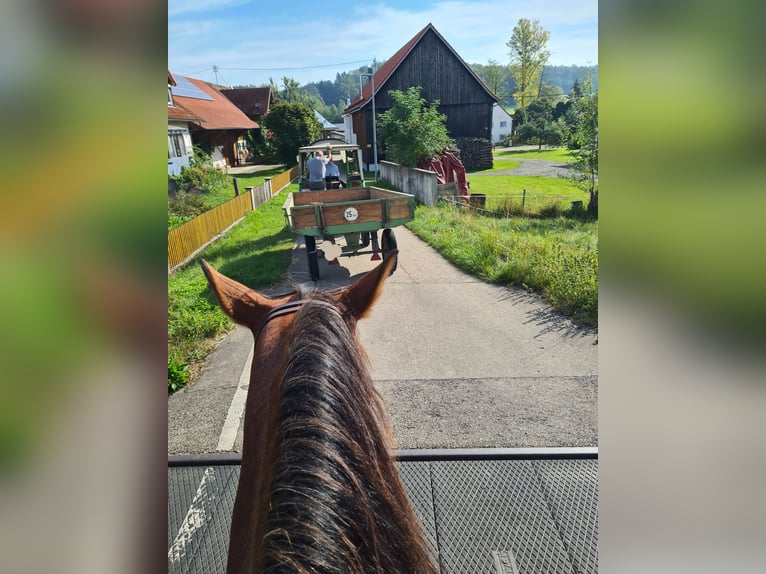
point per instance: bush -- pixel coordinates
(551, 210)
(178, 375)
(185, 205)
(200, 175)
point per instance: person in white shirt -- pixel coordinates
(332, 174)
(315, 171)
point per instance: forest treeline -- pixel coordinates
(330, 98)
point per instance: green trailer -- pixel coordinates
(356, 214)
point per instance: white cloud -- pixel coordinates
(179, 7)
(477, 30)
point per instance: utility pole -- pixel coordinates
(371, 74)
(215, 71)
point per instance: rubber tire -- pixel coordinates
(388, 244)
(311, 252)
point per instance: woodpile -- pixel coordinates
(475, 153)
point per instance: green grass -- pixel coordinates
(561, 154)
(555, 257)
(542, 191)
(219, 196)
(256, 252)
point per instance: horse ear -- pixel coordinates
(242, 304)
(363, 293)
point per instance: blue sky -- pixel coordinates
(251, 41)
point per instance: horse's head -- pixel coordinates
(261, 314)
(310, 390)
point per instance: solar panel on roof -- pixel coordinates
(186, 89)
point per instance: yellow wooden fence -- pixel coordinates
(188, 238)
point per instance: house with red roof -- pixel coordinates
(221, 126)
(179, 135)
(253, 102)
(428, 61)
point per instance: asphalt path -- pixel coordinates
(459, 363)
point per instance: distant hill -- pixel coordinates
(557, 80)
(564, 76)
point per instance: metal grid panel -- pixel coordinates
(571, 488)
(182, 486)
(201, 540)
(416, 477)
(486, 506)
(542, 512)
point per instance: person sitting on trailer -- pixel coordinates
(332, 174)
(315, 170)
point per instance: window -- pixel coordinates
(504, 124)
(170, 96)
(176, 147)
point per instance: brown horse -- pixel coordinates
(319, 491)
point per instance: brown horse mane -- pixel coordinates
(336, 503)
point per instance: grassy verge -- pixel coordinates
(243, 180)
(541, 192)
(555, 257)
(257, 252)
(186, 206)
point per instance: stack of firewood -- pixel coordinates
(475, 153)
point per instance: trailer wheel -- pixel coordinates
(311, 252)
(388, 244)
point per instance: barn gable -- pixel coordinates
(428, 61)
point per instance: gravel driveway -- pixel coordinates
(544, 167)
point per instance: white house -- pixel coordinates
(502, 124)
(179, 137)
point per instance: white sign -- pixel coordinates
(351, 214)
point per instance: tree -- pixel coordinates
(537, 123)
(528, 57)
(412, 130)
(582, 136)
(496, 78)
(291, 126)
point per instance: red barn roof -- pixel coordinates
(179, 114)
(252, 101)
(218, 113)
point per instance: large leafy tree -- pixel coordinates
(582, 136)
(537, 123)
(495, 77)
(528, 56)
(413, 130)
(291, 126)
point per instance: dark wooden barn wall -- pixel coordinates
(433, 66)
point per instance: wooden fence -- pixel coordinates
(188, 238)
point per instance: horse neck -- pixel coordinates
(335, 502)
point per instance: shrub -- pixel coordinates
(200, 175)
(551, 210)
(178, 375)
(185, 205)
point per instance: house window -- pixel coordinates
(504, 124)
(170, 96)
(176, 147)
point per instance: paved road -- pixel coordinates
(458, 362)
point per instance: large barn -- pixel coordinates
(428, 61)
